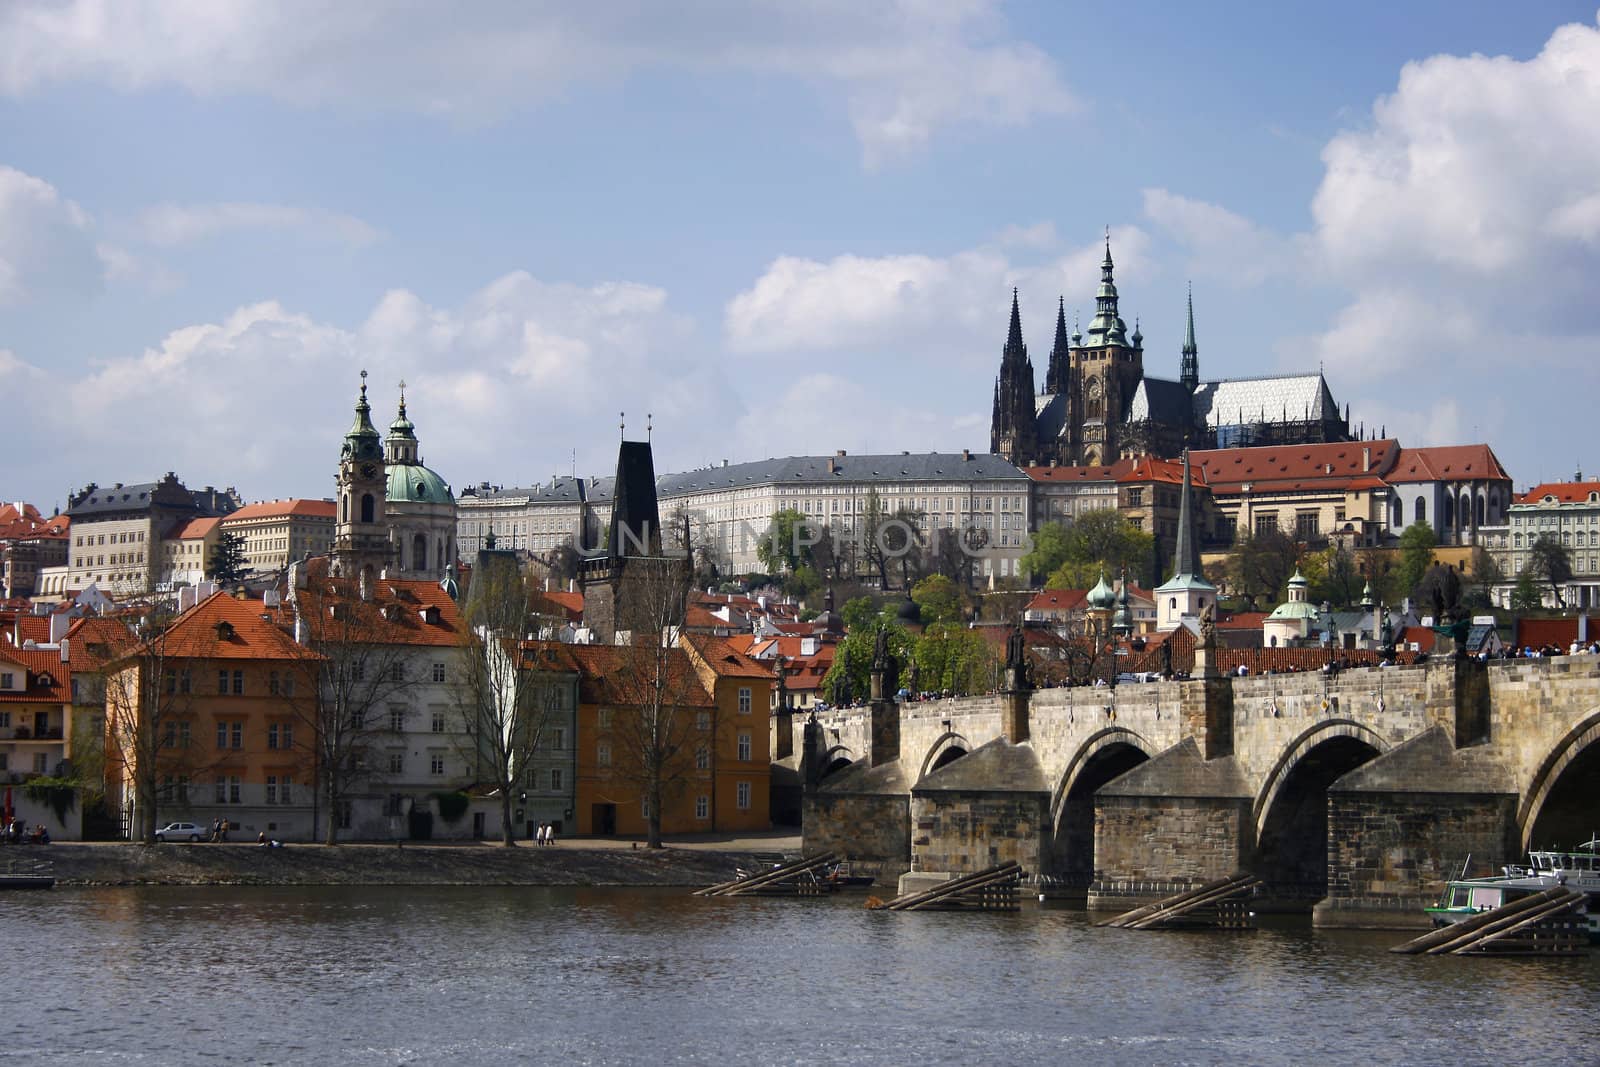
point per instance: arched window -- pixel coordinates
(1447, 516)
(1421, 513)
(1272, 642)
(344, 509)
(1478, 510)
(1173, 603)
(419, 553)
(367, 506)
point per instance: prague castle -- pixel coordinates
(1099, 406)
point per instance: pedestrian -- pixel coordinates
(550, 834)
(216, 830)
(224, 829)
(544, 833)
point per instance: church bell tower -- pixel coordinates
(361, 534)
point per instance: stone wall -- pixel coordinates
(964, 833)
(1145, 851)
(872, 831)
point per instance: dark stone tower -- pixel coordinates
(1058, 377)
(636, 587)
(1012, 430)
(1108, 368)
(1189, 367)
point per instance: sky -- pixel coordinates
(769, 228)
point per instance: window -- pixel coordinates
(560, 738)
(556, 781)
(272, 735)
(744, 747)
(397, 719)
(272, 682)
(397, 762)
(1267, 523)
(602, 754)
(436, 763)
(702, 758)
(438, 722)
(397, 672)
(744, 700)
(222, 735)
(233, 789)
(286, 790)
(1136, 498)
(1306, 526)
(40, 762)
(184, 735)
(438, 672)
(702, 807)
(742, 795)
(602, 718)
(272, 789)
(238, 683)
(222, 683)
(171, 681)
(702, 721)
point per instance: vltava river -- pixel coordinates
(613, 976)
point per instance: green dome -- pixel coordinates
(1293, 610)
(1102, 596)
(415, 484)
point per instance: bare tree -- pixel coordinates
(364, 664)
(657, 702)
(148, 693)
(511, 691)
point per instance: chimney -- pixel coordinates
(966, 454)
(841, 453)
(65, 652)
(1366, 458)
(832, 466)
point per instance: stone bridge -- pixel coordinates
(1363, 790)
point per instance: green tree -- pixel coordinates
(1417, 543)
(1101, 541)
(1260, 565)
(1051, 545)
(1338, 579)
(227, 565)
(1548, 559)
(851, 673)
(783, 549)
(938, 598)
(1526, 597)
(951, 656)
(858, 613)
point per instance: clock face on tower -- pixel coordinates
(369, 471)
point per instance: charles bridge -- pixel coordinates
(1357, 793)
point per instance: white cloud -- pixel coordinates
(500, 387)
(1222, 245)
(45, 242)
(906, 69)
(925, 306)
(172, 224)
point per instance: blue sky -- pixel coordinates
(780, 228)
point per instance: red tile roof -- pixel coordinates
(48, 679)
(799, 672)
(401, 612)
(194, 529)
(616, 674)
(726, 660)
(1559, 493)
(1071, 474)
(1150, 469)
(273, 509)
(1343, 465)
(560, 603)
(1454, 463)
(200, 633)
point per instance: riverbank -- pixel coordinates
(607, 863)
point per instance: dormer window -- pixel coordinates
(224, 631)
(430, 615)
(46, 680)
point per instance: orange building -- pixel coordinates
(35, 733)
(209, 721)
(709, 742)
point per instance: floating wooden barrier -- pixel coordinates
(1547, 923)
(1219, 905)
(797, 878)
(995, 889)
(28, 874)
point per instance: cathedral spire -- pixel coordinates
(361, 442)
(1107, 327)
(1014, 338)
(1189, 371)
(1057, 374)
(1185, 560)
(1013, 425)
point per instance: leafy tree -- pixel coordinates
(1526, 597)
(803, 582)
(852, 659)
(903, 541)
(227, 565)
(873, 516)
(1548, 559)
(782, 550)
(1337, 579)
(1417, 543)
(149, 695)
(938, 598)
(564, 561)
(858, 613)
(951, 656)
(1260, 566)
(1101, 541)
(1051, 545)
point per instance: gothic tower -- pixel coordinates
(1059, 374)
(1107, 367)
(361, 534)
(1189, 366)
(1012, 429)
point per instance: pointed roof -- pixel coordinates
(362, 442)
(1189, 347)
(1186, 572)
(402, 426)
(1107, 327)
(1014, 336)
(635, 508)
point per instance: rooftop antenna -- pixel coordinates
(649, 426)
(622, 425)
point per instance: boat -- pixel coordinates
(1546, 868)
(19, 874)
(840, 875)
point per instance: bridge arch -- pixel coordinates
(1106, 754)
(1290, 813)
(1573, 763)
(947, 748)
(836, 759)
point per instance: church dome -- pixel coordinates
(412, 483)
(1102, 596)
(910, 613)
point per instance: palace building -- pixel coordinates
(1099, 406)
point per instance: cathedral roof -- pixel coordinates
(1159, 400)
(1239, 401)
(414, 483)
(1448, 464)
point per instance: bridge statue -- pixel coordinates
(1208, 626)
(885, 668)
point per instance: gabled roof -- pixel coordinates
(272, 509)
(192, 530)
(725, 660)
(1275, 468)
(223, 627)
(1241, 401)
(1455, 463)
(401, 612)
(558, 602)
(1559, 493)
(616, 675)
(1162, 401)
(48, 679)
(1071, 475)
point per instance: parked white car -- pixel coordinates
(182, 831)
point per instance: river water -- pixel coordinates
(407, 975)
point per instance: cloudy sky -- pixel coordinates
(780, 228)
